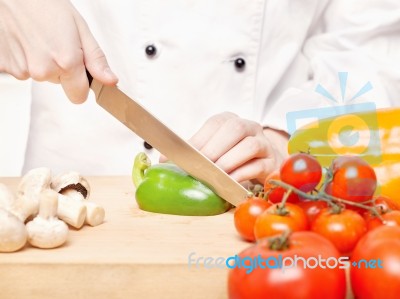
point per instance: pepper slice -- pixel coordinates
(373, 135)
(167, 189)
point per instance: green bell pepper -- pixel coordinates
(167, 189)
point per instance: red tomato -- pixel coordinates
(343, 229)
(246, 214)
(296, 282)
(353, 179)
(271, 223)
(328, 189)
(312, 208)
(275, 193)
(302, 171)
(384, 204)
(381, 279)
(391, 218)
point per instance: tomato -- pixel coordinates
(328, 188)
(276, 193)
(382, 205)
(385, 204)
(295, 282)
(246, 214)
(312, 208)
(302, 171)
(353, 179)
(343, 229)
(381, 248)
(391, 218)
(271, 222)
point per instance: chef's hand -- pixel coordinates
(50, 41)
(240, 147)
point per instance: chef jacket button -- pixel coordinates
(147, 145)
(151, 50)
(240, 63)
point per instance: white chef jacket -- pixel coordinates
(288, 47)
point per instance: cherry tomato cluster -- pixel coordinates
(338, 204)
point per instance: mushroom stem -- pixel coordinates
(46, 230)
(70, 211)
(73, 194)
(48, 204)
(95, 213)
(76, 188)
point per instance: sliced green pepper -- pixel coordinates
(167, 189)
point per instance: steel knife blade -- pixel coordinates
(152, 130)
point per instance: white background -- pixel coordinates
(14, 122)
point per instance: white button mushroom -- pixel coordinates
(46, 230)
(13, 233)
(32, 183)
(71, 211)
(7, 198)
(76, 187)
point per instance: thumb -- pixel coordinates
(94, 58)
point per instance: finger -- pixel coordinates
(254, 169)
(208, 129)
(94, 58)
(227, 136)
(163, 158)
(16, 64)
(41, 68)
(73, 77)
(247, 149)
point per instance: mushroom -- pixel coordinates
(7, 198)
(13, 234)
(29, 188)
(70, 211)
(46, 230)
(76, 187)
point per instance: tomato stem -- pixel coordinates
(281, 209)
(333, 201)
(328, 179)
(280, 242)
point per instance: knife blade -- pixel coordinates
(167, 142)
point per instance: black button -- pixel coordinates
(240, 63)
(147, 145)
(151, 50)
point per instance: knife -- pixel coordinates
(152, 130)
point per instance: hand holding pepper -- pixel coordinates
(242, 148)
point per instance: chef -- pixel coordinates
(222, 74)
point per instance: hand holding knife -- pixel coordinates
(149, 128)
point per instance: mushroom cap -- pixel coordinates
(34, 182)
(71, 181)
(28, 191)
(7, 198)
(24, 207)
(47, 233)
(13, 234)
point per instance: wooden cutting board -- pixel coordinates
(133, 254)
